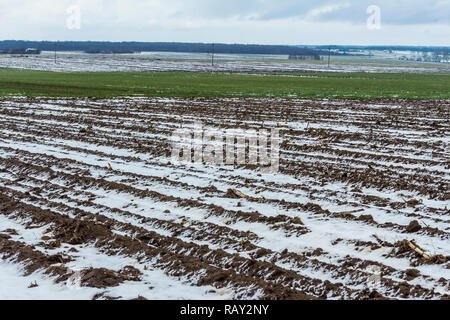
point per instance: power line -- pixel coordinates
(329, 57)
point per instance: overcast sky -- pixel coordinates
(403, 22)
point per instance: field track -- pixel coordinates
(87, 186)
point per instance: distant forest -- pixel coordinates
(127, 47)
(130, 47)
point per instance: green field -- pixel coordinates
(185, 84)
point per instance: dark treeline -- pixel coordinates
(125, 47)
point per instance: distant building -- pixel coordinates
(16, 51)
(114, 51)
(20, 51)
(32, 51)
(304, 57)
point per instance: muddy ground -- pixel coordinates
(92, 206)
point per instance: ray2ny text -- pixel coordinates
(227, 309)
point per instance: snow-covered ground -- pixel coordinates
(77, 61)
(92, 182)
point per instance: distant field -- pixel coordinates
(189, 84)
(358, 61)
(335, 61)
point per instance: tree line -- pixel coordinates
(127, 47)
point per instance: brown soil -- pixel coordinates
(397, 148)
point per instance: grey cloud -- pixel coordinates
(400, 12)
(393, 11)
(253, 21)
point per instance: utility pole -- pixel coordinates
(212, 56)
(329, 57)
(55, 52)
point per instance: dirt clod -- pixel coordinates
(413, 226)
